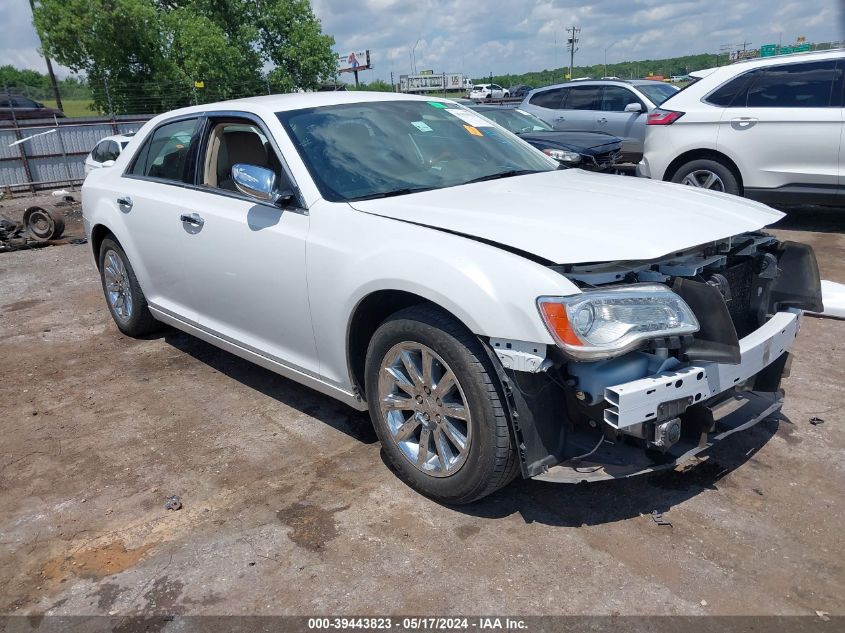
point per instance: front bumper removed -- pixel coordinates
(709, 398)
(737, 412)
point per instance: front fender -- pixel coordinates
(352, 254)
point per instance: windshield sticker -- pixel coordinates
(422, 126)
(470, 118)
(437, 104)
(472, 130)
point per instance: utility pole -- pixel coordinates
(606, 48)
(53, 82)
(573, 48)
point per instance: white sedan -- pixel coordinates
(495, 315)
(106, 151)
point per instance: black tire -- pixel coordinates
(727, 176)
(140, 321)
(491, 461)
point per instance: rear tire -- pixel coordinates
(708, 174)
(466, 457)
(123, 293)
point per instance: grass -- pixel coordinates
(74, 107)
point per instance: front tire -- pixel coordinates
(123, 293)
(708, 174)
(435, 403)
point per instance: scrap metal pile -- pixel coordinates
(40, 225)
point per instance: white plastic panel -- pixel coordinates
(637, 401)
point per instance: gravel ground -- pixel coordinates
(289, 508)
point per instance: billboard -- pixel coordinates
(351, 62)
(431, 83)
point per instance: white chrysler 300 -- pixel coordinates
(497, 315)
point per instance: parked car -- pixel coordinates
(106, 151)
(25, 108)
(595, 151)
(519, 91)
(617, 107)
(488, 91)
(497, 316)
(769, 129)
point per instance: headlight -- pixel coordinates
(605, 323)
(563, 155)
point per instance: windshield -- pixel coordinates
(371, 150)
(657, 92)
(516, 121)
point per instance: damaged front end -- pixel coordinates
(657, 360)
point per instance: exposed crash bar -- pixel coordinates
(639, 400)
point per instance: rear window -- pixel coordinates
(165, 152)
(584, 98)
(657, 93)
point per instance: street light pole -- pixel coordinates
(414, 57)
(607, 48)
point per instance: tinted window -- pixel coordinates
(98, 151)
(615, 98)
(165, 153)
(732, 93)
(807, 85)
(583, 98)
(20, 102)
(110, 150)
(548, 98)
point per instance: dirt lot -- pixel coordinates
(289, 509)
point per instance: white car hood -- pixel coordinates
(573, 216)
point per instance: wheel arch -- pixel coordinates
(99, 232)
(704, 154)
(369, 313)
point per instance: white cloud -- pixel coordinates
(514, 36)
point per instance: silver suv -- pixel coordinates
(617, 106)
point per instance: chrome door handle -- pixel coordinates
(560, 118)
(125, 201)
(192, 218)
(602, 120)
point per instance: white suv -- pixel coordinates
(769, 129)
(489, 91)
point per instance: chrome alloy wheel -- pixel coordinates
(704, 179)
(118, 291)
(425, 409)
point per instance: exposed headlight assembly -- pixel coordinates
(563, 156)
(604, 323)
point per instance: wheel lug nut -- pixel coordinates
(427, 391)
(419, 399)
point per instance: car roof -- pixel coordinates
(268, 104)
(118, 137)
(745, 64)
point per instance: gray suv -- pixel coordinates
(618, 107)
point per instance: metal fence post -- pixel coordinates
(64, 152)
(111, 108)
(18, 137)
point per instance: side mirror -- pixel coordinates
(260, 183)
(108, 163)
(633, 107)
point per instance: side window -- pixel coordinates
(165, 152)
(805, 85)
(733, 93)
(549, 98)
(21, 102)
(584, 98)
(97, 152)
(615, 98)
(237, 141)
(837, 98)
(110, 151)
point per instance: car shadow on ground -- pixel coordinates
(312, 403)
(566, 505)
(814, 219)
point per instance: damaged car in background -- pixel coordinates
(497, 316)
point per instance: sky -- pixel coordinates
(477, 37)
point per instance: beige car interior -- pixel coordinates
(233, 143)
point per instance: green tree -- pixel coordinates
(146, 55)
